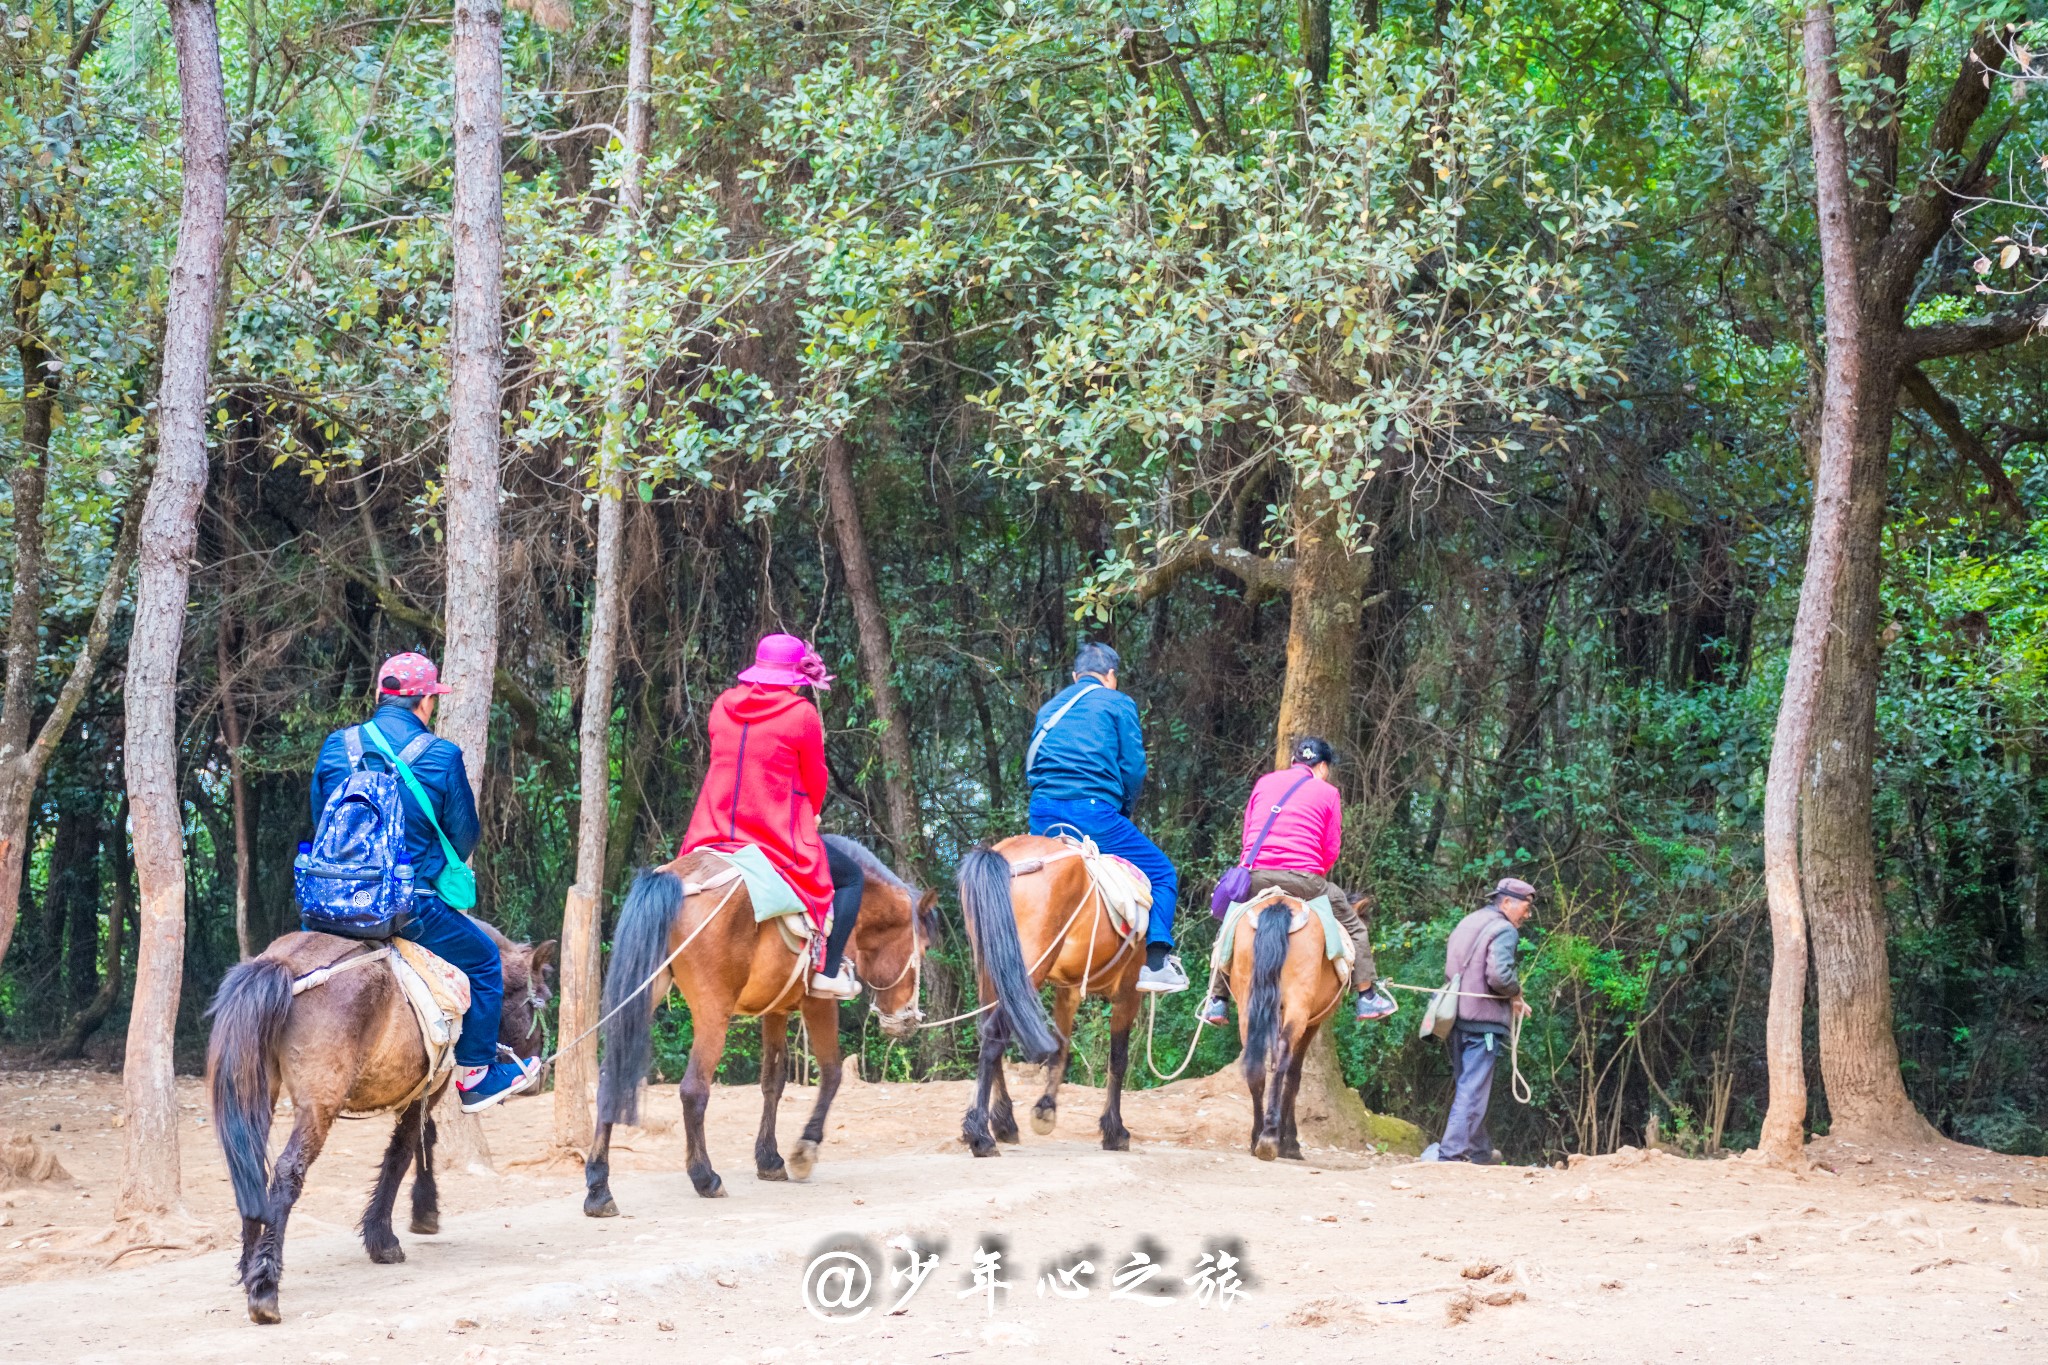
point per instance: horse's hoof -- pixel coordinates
(391, 1255)
(426, 1224)
(711, 1188)
(1265, 1149)
(984, 1147)
(1043, 1121)
(1116, 1142)
(600, 1204)
(1291, 1152)
(803, 1159)
(779, 1172)
(263, 1309)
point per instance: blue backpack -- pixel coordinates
(355, 879)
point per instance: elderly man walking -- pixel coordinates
(1481, 958)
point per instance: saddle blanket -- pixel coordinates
(1337, 945)
(771, 896)
(437, 990)
(1126, 891)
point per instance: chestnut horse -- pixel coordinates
(1035, 918)
(351, 1042)
(725, 964)
(1289, 987)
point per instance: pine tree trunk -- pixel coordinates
(576, 1068)
(1784, 1128)
(1859, 1053)
(475, 371)
(872, 627)
(170, 521)
(475, 367)
(1327, 585)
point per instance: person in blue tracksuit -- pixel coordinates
(1085, 766)
(407, 687)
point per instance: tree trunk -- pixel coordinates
(1843, 404)
(71, 1043)
(170, 521)
(28, 483)
(469, 655)
(576, 1068)
(1859, 1052)
(872, 626)
(238, 786)
(475, 365)
(1322, 630)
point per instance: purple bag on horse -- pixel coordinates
(1234, 884)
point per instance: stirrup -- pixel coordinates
(844, 986)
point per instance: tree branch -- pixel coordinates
(96, 634)
(1920, 390)
(1940, 339)
(1260, 573)
(1923, 218)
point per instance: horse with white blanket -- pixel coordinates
(1045, 911)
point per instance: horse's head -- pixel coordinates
(897, 924)
(529, 968)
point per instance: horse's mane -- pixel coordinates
(871, 864)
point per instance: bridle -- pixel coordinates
(904, 1022)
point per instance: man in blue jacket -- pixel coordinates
(406, 689)
(1085, 765)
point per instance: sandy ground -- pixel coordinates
(1634, 1257)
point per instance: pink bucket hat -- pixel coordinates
(410, 675)
(786, 661)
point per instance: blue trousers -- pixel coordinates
(455, 938)
(1472, 1055)
(1113, 832)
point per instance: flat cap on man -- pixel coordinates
(1516, 887)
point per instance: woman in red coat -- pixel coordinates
(766, 784)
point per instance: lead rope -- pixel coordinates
(1058, 939)
(1517, 1085)
(656, 976)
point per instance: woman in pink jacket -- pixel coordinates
(1293, 830)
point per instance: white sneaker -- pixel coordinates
(1168, 980)
(844, 986)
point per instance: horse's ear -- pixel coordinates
(928, 915)
(542, 958)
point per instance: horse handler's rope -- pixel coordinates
(1151, 1017)
(1517, 1086)
(1057, 940)
(652, 978)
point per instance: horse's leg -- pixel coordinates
(821, 1021)
(774, 1066)
(1123, 1012)
(597, 1176)
(705, 1052)
(1270, 1085)
(995, 1036)
(1255, 1082)
(1066, 1002)
(426, 1195)
(378, 1238)
(1290, 1140)
(1002, 1115)
(266, 1268)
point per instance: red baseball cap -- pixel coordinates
(410, 675)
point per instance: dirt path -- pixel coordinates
(1637, 1257)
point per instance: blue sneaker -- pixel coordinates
(498, 1081)
(1214, 1012)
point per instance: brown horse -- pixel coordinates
(729, 965)
(1034, 917)
(1289, 987)
(351, 1042)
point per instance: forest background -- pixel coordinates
(1441, 377)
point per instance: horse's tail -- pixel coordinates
(638, 945)
(985, 900)
(249, 1013)
(1263, 1039)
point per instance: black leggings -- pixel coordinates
(848, 882)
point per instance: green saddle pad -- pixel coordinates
(1335, 940)
(766, 887)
